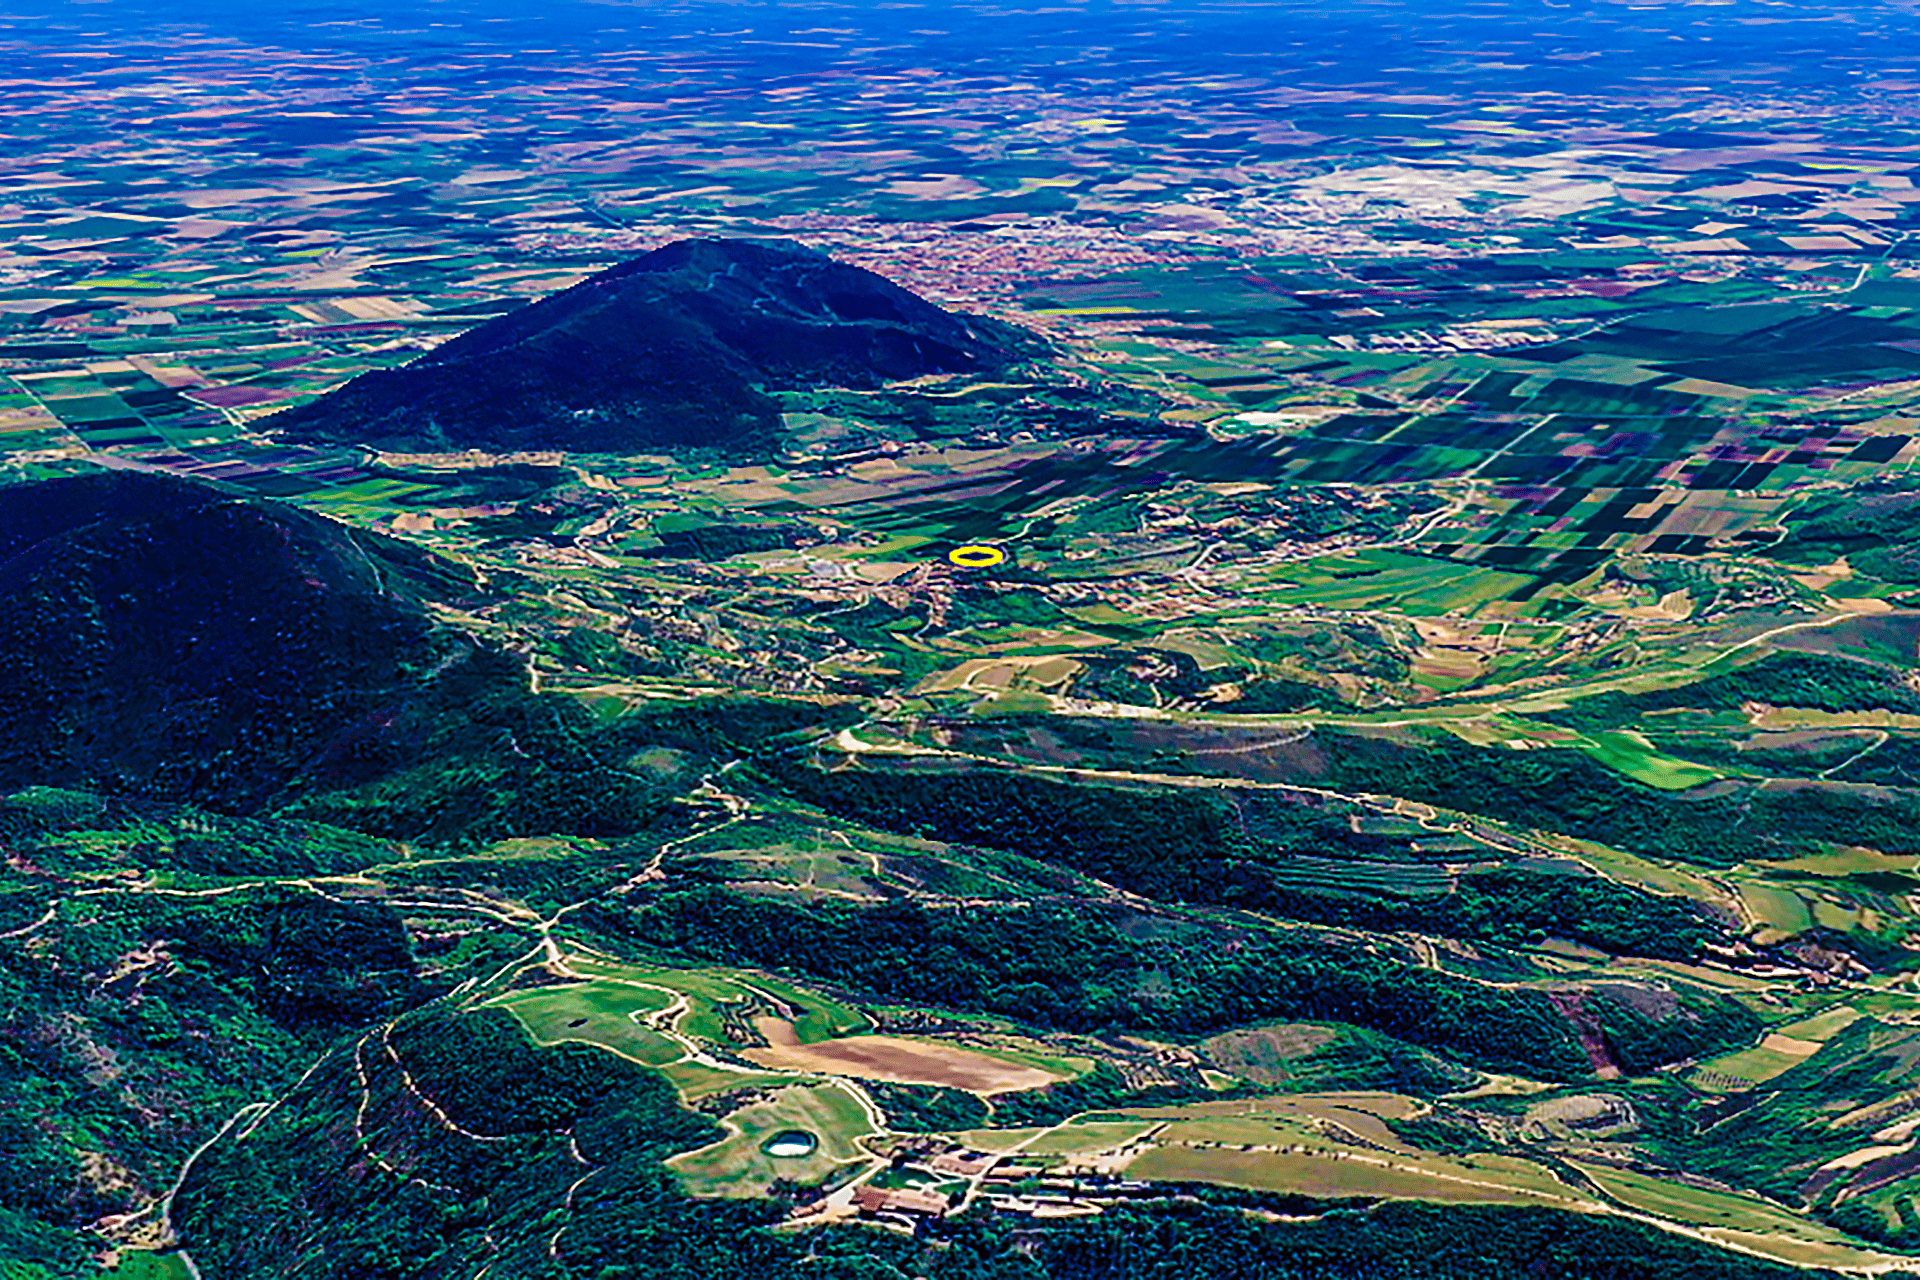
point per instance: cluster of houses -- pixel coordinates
(949, 1178)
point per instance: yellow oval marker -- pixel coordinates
(977, 556)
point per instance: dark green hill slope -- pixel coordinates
(173, 639)
(673, 349)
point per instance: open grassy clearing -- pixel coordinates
(1664, 971)
(1810, 1253)
(998, 1141)
(1087, 1135)
(1780, 1050)
(1209, 653)
(1628, 751)
(696, 1080)
(816, 1017)
(151, 1266)
(1785, 718)
(1843, 917)
(1777, 909)
(1749, 1067)
(1363, 1114)
(739, 1166)
(1498, 730)
(607, 1014)
(1262, 1054)
(824, 871)
(1847, 862)
(1499, 1086)
(1373, 1102)
(1330, 1121)
(1263, 1130)
(1822, 1026)
(1642, 873)
(1027, 1053)
(1014, 670)
(1888, 1004)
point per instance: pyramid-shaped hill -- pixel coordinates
(175, 638)
(675, 349)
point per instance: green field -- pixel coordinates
(738, 1166)
(1066, 1066)
(1485, 1180)
(1629, 752)
(605, 1013)
(696, 1080)
(151, 1266)
(1378, 579)
(1822, 1026)
(997, 1140)
(1775, 907)
(1787, 1236)
(1086, 1135)
(1754, 1066)
(820, 1018)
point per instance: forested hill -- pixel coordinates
(188, 642)
(674, 349)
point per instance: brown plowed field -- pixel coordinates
(903, 1062)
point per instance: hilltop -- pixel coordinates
(675, 349)
(182, 641)
(176, 638)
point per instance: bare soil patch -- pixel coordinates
(1789, 1045)
(1572, 1006)
(904, 1062)
(778, 1031)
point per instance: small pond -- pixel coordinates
(790, 1144)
